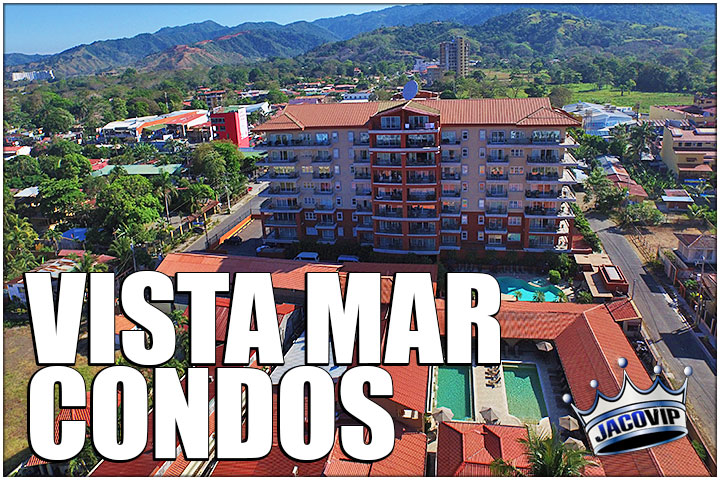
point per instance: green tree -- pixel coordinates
(554, 277)
(87, 264)
(208, 163)
(127, 202)
(119, 108)
(276, 96)
(644, 213)
(548, 457)
(71, 166)
(560, 96)
(60, 199)
(600, 189)
(198, 104)
(22, 171)
(165, 187)
(539, 296)
(55, 120)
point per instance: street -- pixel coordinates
(668, 333)
(238, 211)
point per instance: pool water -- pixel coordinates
(454, 391)
(509, 285)
(524, 393)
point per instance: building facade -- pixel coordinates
(230, 123)
(454, 56)
(691, 154)
(422, 176)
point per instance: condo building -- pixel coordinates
(454, 56)
(422, 176)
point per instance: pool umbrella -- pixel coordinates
(574, 444)
(442, 414)
(489, 415)
(568, 423)
(544, 346)
(543, 429)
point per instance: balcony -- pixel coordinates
(542, 177)
(273, 222)
(394, 197)
(274, 160)
(452, 227)
(496, 211)
(322, 191)
(388, 179)
(497, 177)
(385, 213)
(496, 193)
(323, 175)
(294, 174)
(390, 230)
(321, 159)
(269, 206)
(422, 213)
(379, 144)
(421, 197)
(420, 143)
(450, 210)
(450, 194)
(325, 208)
(450, 141)
(541, 245)
(280, 192)
(500, 159)
(309, 142)
(415, 230)
(450, 176)
(361, 141)
(393, 162)
(420, 179)
(423, 247)
(363, 192)
(547, 160)
(325, 225)
(361, 160)
(361, 175)
(363, 208)
(277, 237)
(450, 159)
(496, 229)
(420, 162)
(540, 212)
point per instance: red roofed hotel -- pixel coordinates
(422, 176)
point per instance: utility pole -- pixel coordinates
(227, 194)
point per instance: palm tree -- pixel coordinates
(121, 248)
(561, 297)
(81, 465)
(639, 136)
(547, 457)
(697, 212)
(87, 264)
(539, 296)
(517, 294)
(165, 187)
(53, 236)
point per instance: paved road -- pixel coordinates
(672, 338)
(252, 202)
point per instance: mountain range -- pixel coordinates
(209, 43)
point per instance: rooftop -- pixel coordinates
(697, 241)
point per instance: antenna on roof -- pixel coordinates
(410, 90)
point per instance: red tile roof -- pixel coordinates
(122, 323)
(623, 309)
(406, 460)
(483, 111)
(468, 449)
(275, 464)
(286, 274)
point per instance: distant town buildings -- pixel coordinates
(230, 123)
(454, 56)
(691, 154)
(38, 75)
(702, 113)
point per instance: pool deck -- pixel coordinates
(496, 397)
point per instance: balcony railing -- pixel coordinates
(422, 230)
(497, 176)
(379, 144)
(496, 193)
(284, 174)
(361, 175)
(450, 193)
(543, 160)
(544, 245)
(270, 221)
(541, 194)
(363, 208)
(319, 191)
(363, 192)
(420, 143)
(421, 162)
(389, 229)
(397, 179)
(450, 159)
(422, 213)
(420, 179)
(539, 177)
(389, 213)
(282, 160)
(500, 159)
(323, 175)
(422, 247)
(421, 197)
(388, 163)
(359, 141)
(450, 141)
(496, 210)
(450, 210)
(450, 176)
(283, 191)
(540, 211)
(321, 159)
(549, 227)
(388, 196)
(325, 207)
(450, 226)
(359, 159)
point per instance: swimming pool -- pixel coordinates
(454, 391)
(523, 391)
(509, 285)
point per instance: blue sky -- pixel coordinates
(46, 28)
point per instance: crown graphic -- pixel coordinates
(634, 419)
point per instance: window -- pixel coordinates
(481, 204)
(463, 219)
(482, 134)
(334, 136)
(516, 187)
(482, 152)
(465, 169)
(481, 170)
(516, 170)
(322, 139)
(339, 216)
(463, 235)
(338, 186)
(464, 203)
(464, 134)
(351, 137)
(309, 200)
(515, 204)
(351, 153)
(338, 201)
(311, 231)
(464, 152)
(481, 220)
(513, 237)
(464, 186)
(514, 221)
(307, 169)
(390, 123)
(481, 187)
(481, 236)
(337, 169)
(516, 152)
(353, 201)
(354, 217)
(341, 232)
(310, 216)
(336, 153)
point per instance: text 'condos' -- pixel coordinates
(422, 176)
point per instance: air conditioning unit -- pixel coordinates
(407, 125)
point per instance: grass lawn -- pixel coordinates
(588, 92)
(19, 363)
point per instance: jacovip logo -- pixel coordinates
(634, 419)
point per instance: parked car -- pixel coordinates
(234, 240)
(348, 258)
(308, 257)
(261, 248)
